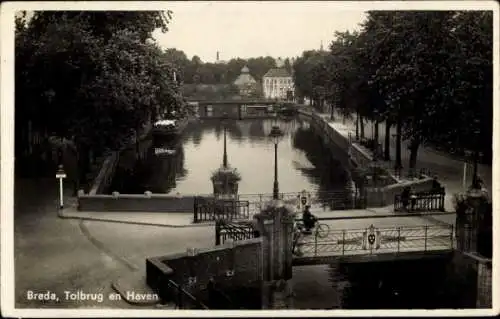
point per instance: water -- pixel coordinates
(187, 167)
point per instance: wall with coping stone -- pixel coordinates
(136, 203)
(238, 264)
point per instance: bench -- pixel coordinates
(428, 201)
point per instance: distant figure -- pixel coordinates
(436, 185)
(413, 199)
(478, 183)
(405, 197)
(308, 219)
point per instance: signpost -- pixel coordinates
(304, 199)
(61, 175)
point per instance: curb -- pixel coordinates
(117, 287)
(62, 215)
(435, 220)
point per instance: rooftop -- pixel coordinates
(277, 73)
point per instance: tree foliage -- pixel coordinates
(428, 72)
(91, 77)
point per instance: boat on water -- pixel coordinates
(169, 127)
(287, 110)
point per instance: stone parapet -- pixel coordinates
(136, 203)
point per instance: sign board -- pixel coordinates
(60, 173)
(304, 199)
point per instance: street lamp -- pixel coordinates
(224, 122)
(357, 126)
(276, 135)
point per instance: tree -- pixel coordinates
(428, 72)
(90, 77)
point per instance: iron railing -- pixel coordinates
(332, 200)
(373, 240)
(225, 230)
(422, 201)
(214, 209)
(182, 298)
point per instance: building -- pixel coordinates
(246, 83)
(278, 84)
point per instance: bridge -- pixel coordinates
(358, 236)
(374, 244)
(236, 109)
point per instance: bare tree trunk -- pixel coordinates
(376, 137)
(414, 144)
(387, 148)
(137, 143)
(362, 126)
(399, 130)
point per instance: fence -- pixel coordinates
(206, 209)
(332, 200)
(225, 231)
(422, 201)
(373, 240)
(182, 298)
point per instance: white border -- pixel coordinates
(7, 160)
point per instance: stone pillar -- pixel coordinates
(472, 216)
(276, 222)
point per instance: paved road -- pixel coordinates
(57, 255)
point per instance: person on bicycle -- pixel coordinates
(308, 219)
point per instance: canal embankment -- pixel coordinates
(361, 158)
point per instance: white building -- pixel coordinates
(245, 82)
(278, 84)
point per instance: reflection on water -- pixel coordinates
(411, 284)
(302, 163)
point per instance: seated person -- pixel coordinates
(405, 197)
(308, 219)
(436, 186)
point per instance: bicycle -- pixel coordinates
(320, 231)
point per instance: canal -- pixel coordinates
(185, 165)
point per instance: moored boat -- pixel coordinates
(170, 127)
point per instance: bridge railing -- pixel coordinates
(215, 209)
(182, 298)
(333, 200)
(234, 231)
(373, 240)
(422, 201)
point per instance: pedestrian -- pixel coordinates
(413, 199)
(436, 186)
(405, 197)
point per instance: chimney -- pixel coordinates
(217, 56)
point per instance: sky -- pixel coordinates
(252, 29)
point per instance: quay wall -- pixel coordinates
(235, 267)
(116, 202)
(362, 159)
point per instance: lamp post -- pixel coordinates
(276, 135)
(357, 126)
